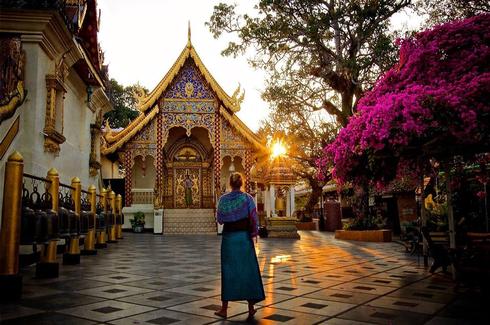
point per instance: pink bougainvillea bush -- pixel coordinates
(434, 102)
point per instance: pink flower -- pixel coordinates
(438, 93)
(481, 195)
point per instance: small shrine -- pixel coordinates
(274, 192)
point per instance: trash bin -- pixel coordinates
(333, 216)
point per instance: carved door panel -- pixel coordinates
(190, 178)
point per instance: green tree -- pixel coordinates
(124, 101)
(321, 54)
(305, 133)
(447, 10)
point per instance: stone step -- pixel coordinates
(189, 221)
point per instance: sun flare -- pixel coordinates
(278, 149)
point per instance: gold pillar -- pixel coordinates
(77, 194)
(48, 267)
(119, 234)
(49, 253)
(112, 209)
(103, 193)
(11, 211)
(101, 235)
(89, 244)
(73, 254)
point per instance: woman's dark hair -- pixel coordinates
(236, 181)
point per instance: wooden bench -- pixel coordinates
(440, 238)
(473, 261)
(438, 244)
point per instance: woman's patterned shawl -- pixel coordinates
(237, 205)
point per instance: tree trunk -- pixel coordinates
(316, 192)
(423, 222)
(364, 201)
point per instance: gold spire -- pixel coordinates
(189, 44)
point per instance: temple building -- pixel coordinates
(178, 153)
(52, 88)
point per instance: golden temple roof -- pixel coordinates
(116, 141)
(229, 105)
(232, 103)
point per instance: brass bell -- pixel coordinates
(280, 206)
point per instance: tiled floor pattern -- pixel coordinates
(147, 279)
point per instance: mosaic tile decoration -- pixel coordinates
(189, 84)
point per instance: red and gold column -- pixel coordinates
(159, 181)
(128, 179)
(217, 156)
(247, 165)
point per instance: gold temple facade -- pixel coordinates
(179, 151)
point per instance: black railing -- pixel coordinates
(39, 222)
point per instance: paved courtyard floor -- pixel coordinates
(147, 279)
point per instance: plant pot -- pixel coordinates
(382, 235)
(138, 229)
(309, 225)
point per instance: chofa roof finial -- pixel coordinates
(189, 33)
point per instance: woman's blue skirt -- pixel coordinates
(240, 274)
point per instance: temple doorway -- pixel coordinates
(188, 169)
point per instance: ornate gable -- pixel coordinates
(230, 138)
(188, 96)
(189, 84)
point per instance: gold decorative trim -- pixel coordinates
(12, 62)
(52, 140)
(189, 100)
(9, 137)
(231, 103)
(7, 110)
(242, 128)
(110, 136)
(55, 89)
(94, 167)
(129, 132)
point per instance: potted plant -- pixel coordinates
(138, 222)
(304, 221)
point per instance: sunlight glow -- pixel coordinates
(280, 258)
(278, 149)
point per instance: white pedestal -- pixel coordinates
(158, 221)
(282, 227)
(220, 229)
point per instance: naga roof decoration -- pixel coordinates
(125, 135)
(148, 105)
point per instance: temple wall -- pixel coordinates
(73, 158)
(109, 169)
(144, 178)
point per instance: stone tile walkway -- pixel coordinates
(147, 279)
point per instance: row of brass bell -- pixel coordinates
(69, 221)
(38, 222)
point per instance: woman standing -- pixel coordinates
(240, 274)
